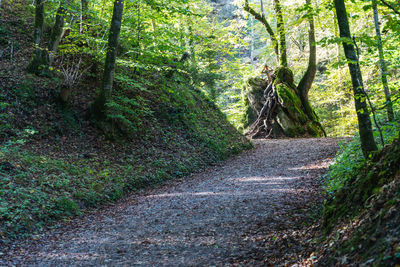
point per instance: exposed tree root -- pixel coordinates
(279, 108)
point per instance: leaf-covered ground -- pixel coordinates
(246, 211)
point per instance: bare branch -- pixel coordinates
(261, 18)
(390, 6)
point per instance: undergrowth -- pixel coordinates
(157, 132)
(350, 160)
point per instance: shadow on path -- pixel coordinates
(207, 219)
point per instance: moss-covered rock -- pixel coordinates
(284, 75)
(255, 91)
(291, 102)
(284, 107)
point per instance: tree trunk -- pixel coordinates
(261, 18)
(336, 30)
(65, 92)
(44, 58)
(252, 42)
(106, 90)
(368, 144)
(35, 63)
(85, 9)
(391, 7)
(308, 78)
(280, 24)
(283, 109)
(389, 105)
(57, 32)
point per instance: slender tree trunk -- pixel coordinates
(282, 34)
(85, 9)
(389, 105)
(336, 30)
(368, 144)
(57, 32)
(391, 7)
(37, 36)
(44, 58)
(308, 78)
(261, 18)
(252, 42)
(191, 44)
(84, 13)
(106, 91)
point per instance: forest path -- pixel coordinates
(214, 218)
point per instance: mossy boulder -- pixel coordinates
(291, 102)
(255, 92)
(291, 116)
(284, 75)
(283, 111)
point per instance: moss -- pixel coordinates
(284, 75)
(314, 129)
(291, 102)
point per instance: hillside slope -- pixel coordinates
(362, 221)
(55, 162)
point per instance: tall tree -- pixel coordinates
(84, 13)
(43, 58)
(382, 63)
(99, 105)
(307, 80)
(280, 26)
(37, 36)
(300, 118)
(57, 31)
(368, 144)
(261, 18)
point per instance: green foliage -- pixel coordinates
(178, 129)
(350, 160)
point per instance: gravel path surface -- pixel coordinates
(213, 218)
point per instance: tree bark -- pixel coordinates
(382, 63)
(106, 90)
(43, 58)
(57, 32)
(368, 144)
(280, 25)
(84, 13)
(37, 36)
(308, 78)
(85, 9)
(336, 30)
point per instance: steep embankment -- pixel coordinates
(55, 162)
(362, 221)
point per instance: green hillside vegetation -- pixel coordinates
(360, 219)
(55, 162)
(102, 99)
